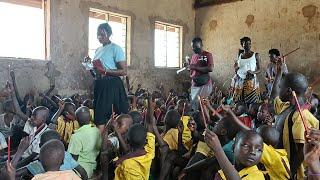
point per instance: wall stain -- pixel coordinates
(213, 25)
(249, 20)
(309, 11)
(284, 10)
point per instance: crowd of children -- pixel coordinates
(162, 137)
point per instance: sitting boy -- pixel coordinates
(241, 111)
(68, 162)
(137, 163)
(264, 117)
(37, 127)
(65, 120)
(291, 127)
(275, 160)
(248, 149)
(51, 157)
(114, 144)
(85, 143)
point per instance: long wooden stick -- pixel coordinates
(202, 113)
(9, 148)
(291, 52)
(184, 108)
(304, 121)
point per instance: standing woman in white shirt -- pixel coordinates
(245, 82)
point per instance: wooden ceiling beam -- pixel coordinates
(204, 3)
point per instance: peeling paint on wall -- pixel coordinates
(249, 20)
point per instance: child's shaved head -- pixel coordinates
(83, 115)
(269, 135)
(296, 82)
(49, 135)
(124, 123)
(39, 116)
(172, 119)
(88, 103)
(52, 155)
(182, 104)
(136, 117)
(137, 135)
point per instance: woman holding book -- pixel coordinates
(109, 64)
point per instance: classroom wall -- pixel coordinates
(281, 24)
(69, 44)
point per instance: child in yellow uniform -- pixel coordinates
(65, 120)
(275, 160)
(172, 120)
(136, 164)
(291, 125)
(248, 149)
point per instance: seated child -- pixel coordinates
(51, 157)
(137, 163)
(36, 126)
(65, 120)
(291, 127)
(275, 160)
(241, 111)
(10, 121)
(264, 117)
(204, 159)
(183, 107)
(136, 117)
(89, 104)
(172, 120)
(159, 110)
(69, 163)
(253, 110)
(248, 149)
(85, 143)
(114, 144)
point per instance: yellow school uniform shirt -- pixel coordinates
(186, 134)
(249, 173)
(66, 128)
(137, 168)
(297, 128)
(204, 149)
(276, 162)
(171, 137)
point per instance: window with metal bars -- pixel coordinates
(120, 25)
(167, 45)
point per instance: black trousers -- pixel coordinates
(109, 91)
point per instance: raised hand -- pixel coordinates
(61, 105)
(268, 120)
(312, 147)
(11, 170)
(280, 64)
(212, 140)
